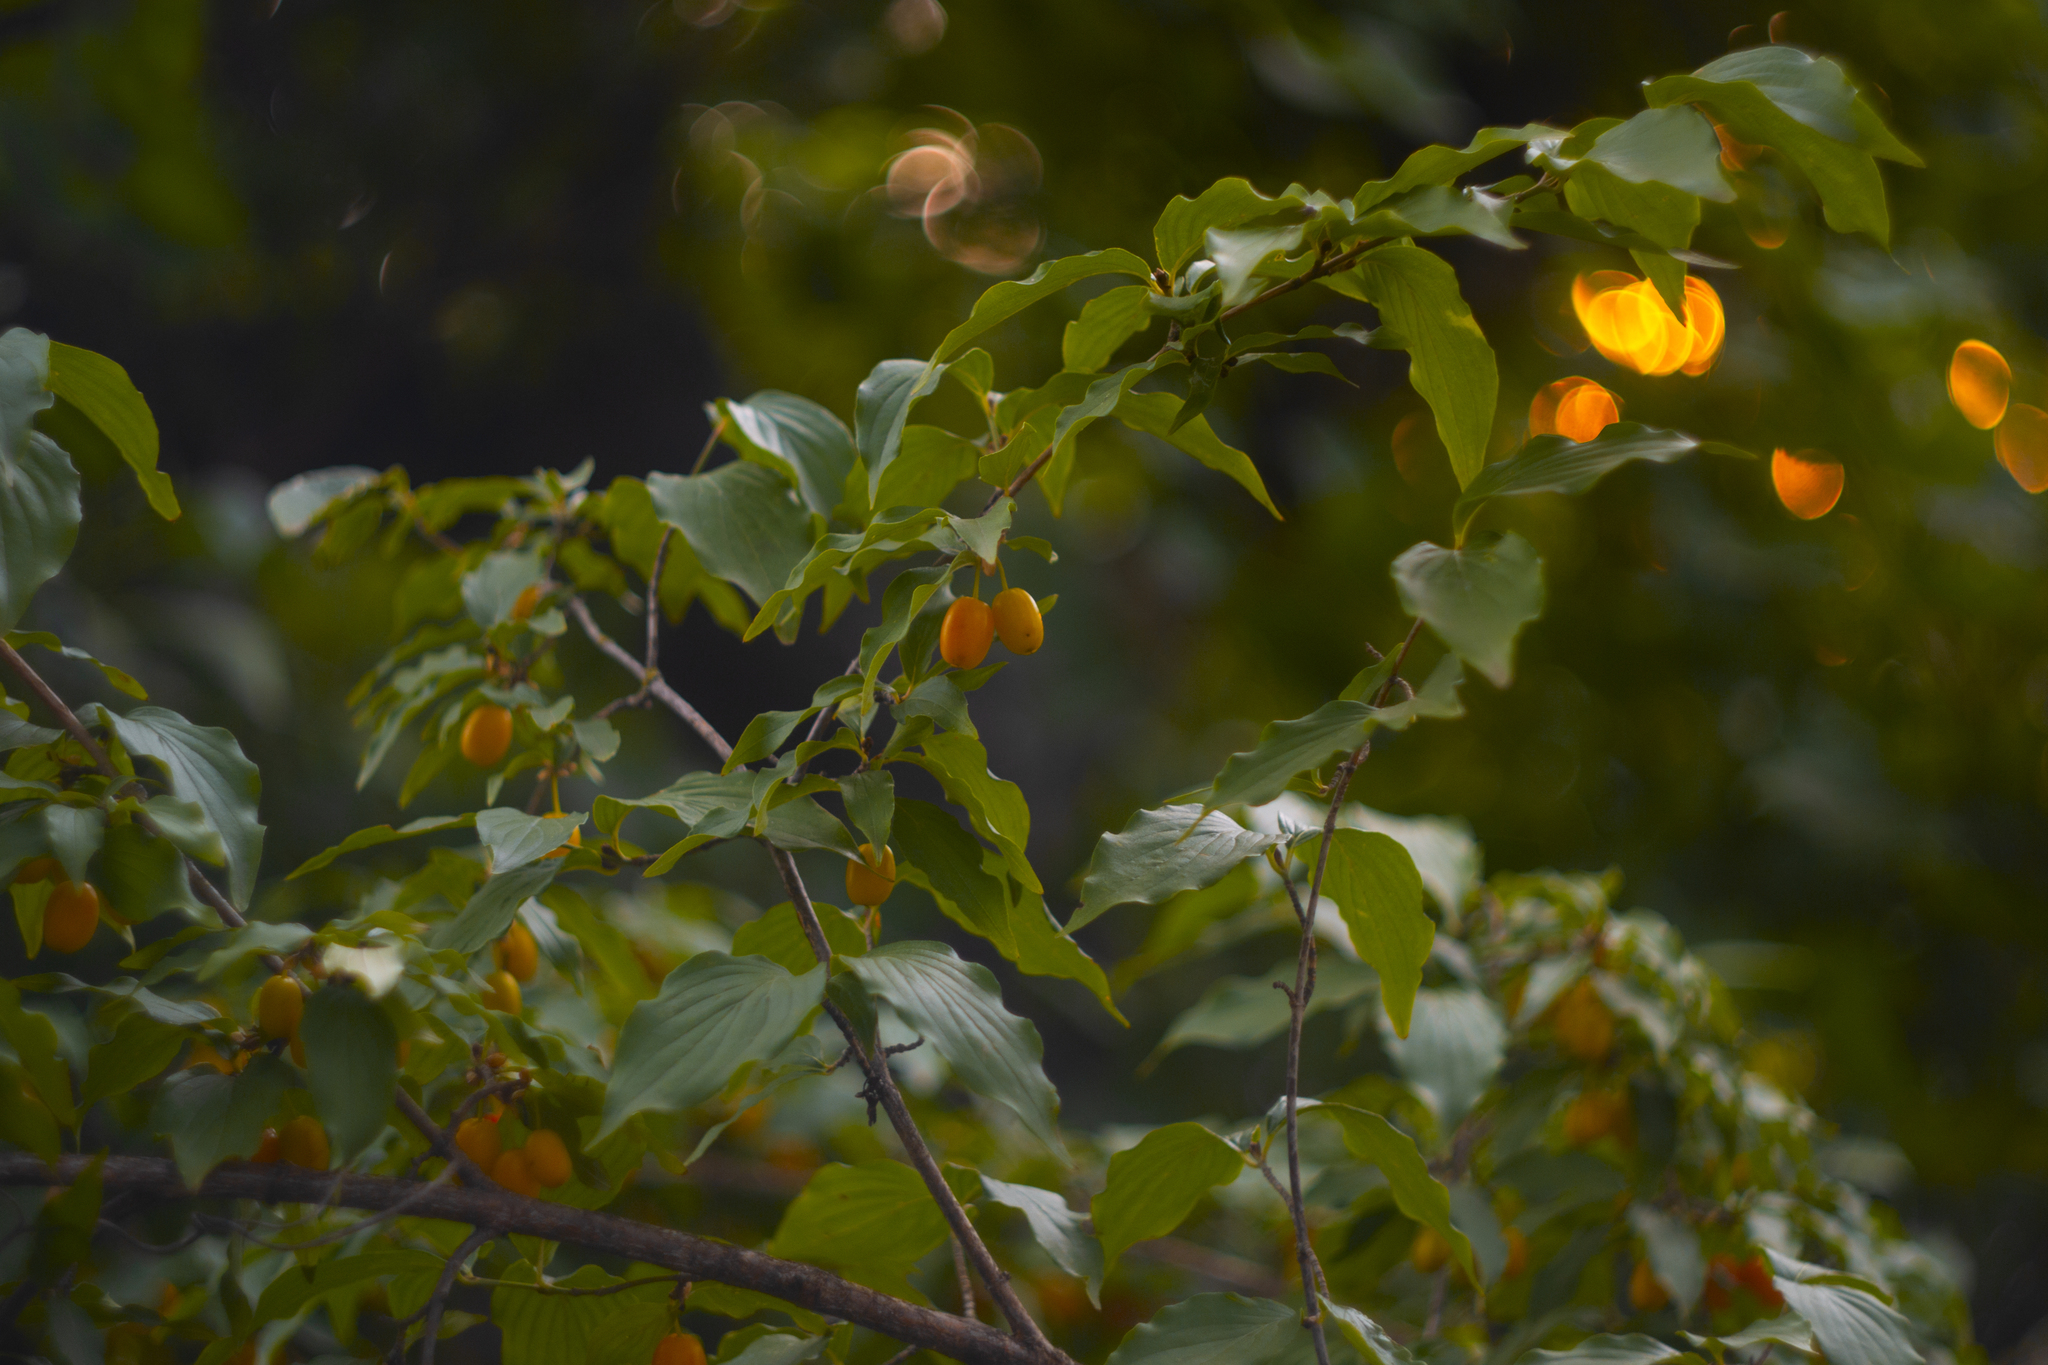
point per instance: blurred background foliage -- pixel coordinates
(477, 239)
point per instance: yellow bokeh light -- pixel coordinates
(1573, 407)
(1979, 384)
(1629, 323)
(2022, 445)
(1808, 483)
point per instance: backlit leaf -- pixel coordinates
(1476, 599)
(1153, 1187)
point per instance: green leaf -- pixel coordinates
(778, 935)
(1244, 1011)
(512, 838)
(140, 1048)
(39, 509)
(773, 1348)
(383, 834)
(1185, 223)
(1440, 165)
(1288, 748)
(628, 1334)
(801, 440)
(930, 462)
(550, 1329)
(1367, 1337)
(351, 1065)
(205, 765)
(1153, 1187)
(1849, 1322)
(304, 500)
(1060, 1230)
(488, 913)
(873, 1222)
(1452, 1051)
(492, 589)
(1373, 880)
(1788, 1329)
(933, 852)
(1476, 599)
(996, 807)
(1633, 1349)
(1044, 950)
(300, 1285)
(1217, 1329)
(1161, 852)
(1107, 321)
(1662, 216)
(1247, 257)
(881, 407)
(34, 1040)
(1416, 1192)
(1672, 146)
(1675, 1257)
(958, 1007)
(75, 834)
(101, 389)
(714, 1014)
(870, 798)
(1154, 414)
(1814, 91)
(1557, 464)
(210, 1116)
(1007, 299)
(1439, 210)
(765, 734)
(741, 519)
(121, 681)
(1450, 363)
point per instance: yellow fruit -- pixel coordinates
(270, 1150)
(479, 1141)
(279, 1006)
(575, 841)
(1018, 623)
(869, 882)
(547, 1157)
(501, 992)
(678, 1348)
(1809, 488)
(511, 1171)
(1582, 1023)
(526, 603)
(967, 632)
(38, 870)
(1979, 384)
(304, 1143)
(486, 735)
(70, 916)
(1428, 1252)
(1518, 1253)
(517, 953)
(1646, 1293)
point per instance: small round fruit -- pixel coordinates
(1518, 1253)
(869, 881)
(270, 1149)
(1754, 1275)
(678, 1348)
(528, 602)
(575, 841)
(71, 915)
(304, 1143)
(1428, 1252)
(1582, 1022)
(547, 1157)
(501, 992)
(279, 1006)
(511, 1171)
(517, 953)
(38, 870)
(479, 1141)
(967, 632)
(1646, 1293)
(1018, 623)
(486, 735)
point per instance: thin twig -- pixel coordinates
(438, 1300)
(966, 1280)
(559, 1291)
(654, 598)
(710, 444)
(1435, 1319)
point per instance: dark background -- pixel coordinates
(482, 238)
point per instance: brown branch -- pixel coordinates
(651, 681)
(654, 598)
(698, 1258)
(1220, 1266)
(430, 1332)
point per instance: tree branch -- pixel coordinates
(438, 1300)
(698, 1258)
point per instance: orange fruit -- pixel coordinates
(1646, 1293)
(517, 953)
(304, 1143)
(1809, 487)
(869, 881)
(38, 870)
(575, 841)
(279, 1006)
(2021, 442)
(479, 1140)
(1582, 1023)
(1754, 1275)
(511, 1171)
(71, 915)
(526, 603)
(1018, 623)
(1429, 1251)
(679, 1348)
(967, 632)
(1979, 384)
(270, 1150)
(547, 1157)
(501, 992)
(486, 735)
(1518, 1253)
